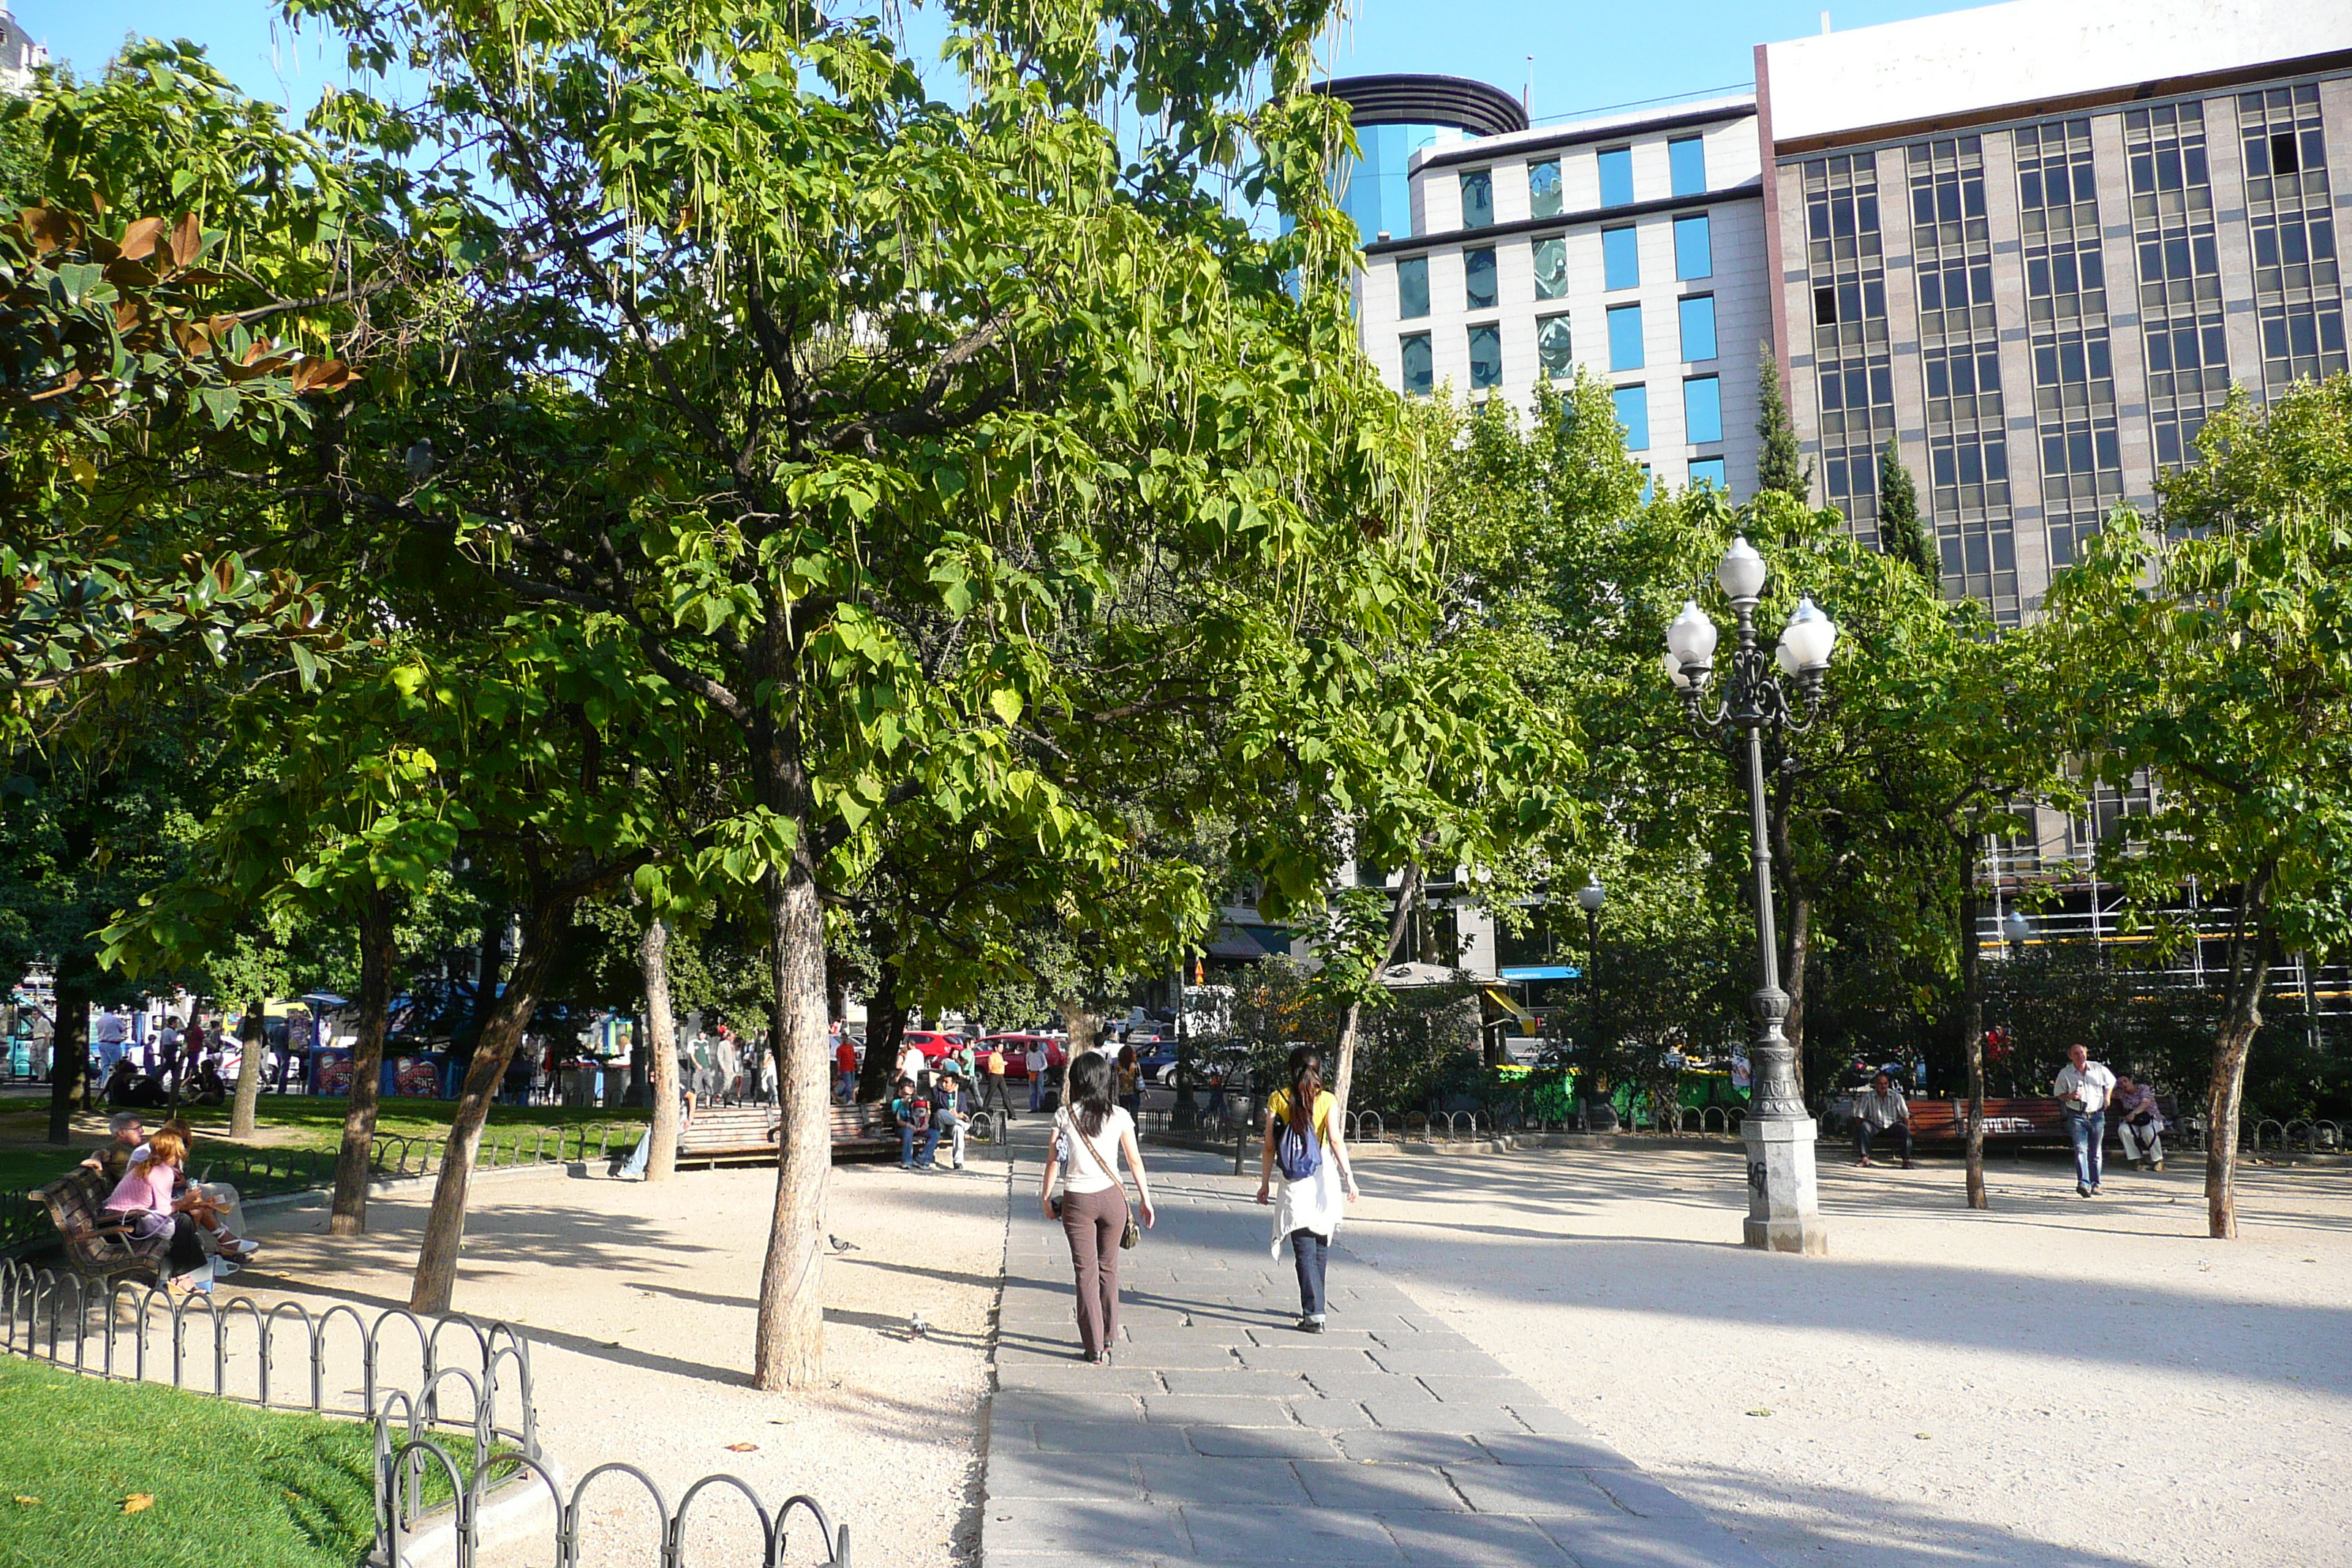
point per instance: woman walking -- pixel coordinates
(1130, 1083)
(1303, 1137)
(1091, 1135)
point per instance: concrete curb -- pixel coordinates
(515, 1513)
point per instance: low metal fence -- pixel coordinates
(404, 1464)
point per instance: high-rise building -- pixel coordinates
(20, 56)
(1631, 246)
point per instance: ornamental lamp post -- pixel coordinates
(2017, 929)
(1590, 898)
(1783, 1193)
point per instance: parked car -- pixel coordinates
(931, 1043)
(1016, 1052)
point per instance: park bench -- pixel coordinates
(2012, 1123)
(98, 1245)
(749, 1132)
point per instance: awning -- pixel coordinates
(1524, 1019)
(1250, 943)
(1517, 972)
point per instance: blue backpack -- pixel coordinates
(1297, 1153)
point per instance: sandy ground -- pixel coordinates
(640, 1303)
(2058, 1384)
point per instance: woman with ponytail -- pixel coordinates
(1302, 1138)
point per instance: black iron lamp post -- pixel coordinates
(1590, 898)
(1783, 1194)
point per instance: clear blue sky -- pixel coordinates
(1587, 56)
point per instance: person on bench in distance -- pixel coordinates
(1883, 1110)
(110, 1160)
(913, 1109)
(2139, 1122)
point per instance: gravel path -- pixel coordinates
(2057, 1384)
(640, 1302)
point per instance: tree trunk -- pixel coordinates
(2250, 967)
(68, 1052)
(544, 932)
(661, 1044)
(349, 1214)
(886, 1033)
(789, 1350)
(1080, 1024)
(1343, 1074)
(1972, 1021)
(253, 1031)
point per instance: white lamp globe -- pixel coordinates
(1810, 636)
(2017, 927)
(1590, 897)
(1691, 637)
(1675, 670)
(1785, 656)
(1741, 574)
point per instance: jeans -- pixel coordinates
(955, 1124)
(1863, 1133)
(1313, 1253)
(2089, 1135)
(638, 1156)
(1037, 1090)
(907, 1136)
(1094, 1222)
(2142, 1142)
(846, 1087)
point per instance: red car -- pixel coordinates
(931, 1043)
(1016, 1053)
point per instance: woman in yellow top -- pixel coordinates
(1303, 1137)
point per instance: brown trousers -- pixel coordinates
(1094, 1222)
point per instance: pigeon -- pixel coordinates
(917, 1327)
(420, 460)
(839, 1245)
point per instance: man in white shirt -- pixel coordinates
(912, 1063)
(106, 1033)
(2083, 1086)
(1036, 1064)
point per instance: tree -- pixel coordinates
(1781, 465)
(1902, 532)
(2218, 657)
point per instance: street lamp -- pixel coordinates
(1783, 1194)
(2017, 928)
(1590, 898)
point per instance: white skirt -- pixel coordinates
(1313, 1203)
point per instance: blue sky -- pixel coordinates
(1586, 57)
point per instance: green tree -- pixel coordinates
(1781, 465)
(2218, 657)
(1902, 532)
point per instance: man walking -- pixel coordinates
(1037, 1065)
(995, 1093)
(2139, 1122)
(2083, 1086)
(845, 1068)
(1883, 1110)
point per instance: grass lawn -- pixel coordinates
(230, 1484)
(295, 1122)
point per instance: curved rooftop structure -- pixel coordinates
(1397, 116)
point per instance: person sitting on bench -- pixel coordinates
(112, 1161)
(913, 1109)
(2139, 1122)
(143, 1201)
(950, 1109)
(1883, 1110)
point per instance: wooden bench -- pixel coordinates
(732, 1134)
(2014, 1123)
(98, 1245)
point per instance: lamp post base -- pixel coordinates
(1784, 1211)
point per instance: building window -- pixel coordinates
(1552, 269)
(1478, 278)
(1699, 328)
(1617, 177)
(1477, 199)
(1552, 349)
(1703, 409)
(1621, 258)
(1694, 248)
(1486, 357)
(2298, 287)
(1707, 471)
(1412, 286)
(1686, 159)
(1625, 337)
(1420, 371)
(1854, 381)
(1634, 413)
(1543, 189)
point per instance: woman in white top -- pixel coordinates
(1091, 1135)
(1302, 1132)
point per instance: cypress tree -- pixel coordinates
(1781, 463)
(1901, 533)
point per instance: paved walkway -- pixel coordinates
(1221, 1434)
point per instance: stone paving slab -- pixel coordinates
(1221, 1434)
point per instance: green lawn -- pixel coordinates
(231, 1484)
(27, 1162)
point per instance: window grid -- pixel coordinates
(2066, 312)
(1478, 278)
(1412, 286)
(1551, 268)
(1544, 189)
(1418, 368)
(1477, 198)
(1486, 358)
(1960, 355)
(1853, 376)
(1554, 351)
(2184, 338)
(2298, 296)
